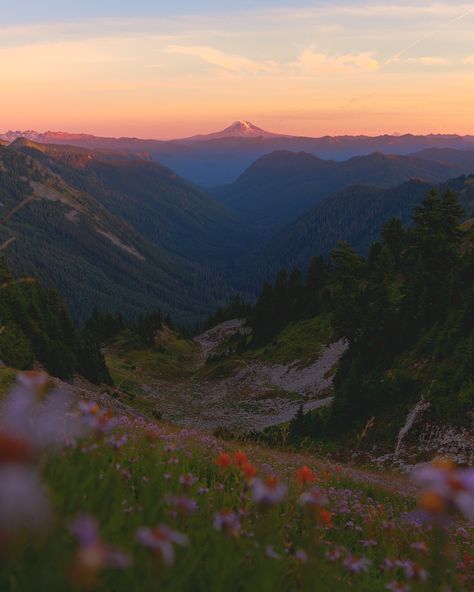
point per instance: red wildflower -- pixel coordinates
(325, 517)
(249, 471)
(305, 475)
(240, 458)
(223, 461)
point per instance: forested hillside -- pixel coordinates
(355, 215)
(68, 237)
(407, 313)
(165, 209)
(35, 325)
(282, 186)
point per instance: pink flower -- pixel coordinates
(270, 552)
(160, 540)
(335, 554)
(314, 498)
(94, 554)
(301, 556)
(446, 489)
(228, 522)
(187, 481)
(28, 427)
(356, 564)
(95, 418)
(268, 492)
(395, 586)
(117, 441)
(183, 505)
(24, 504)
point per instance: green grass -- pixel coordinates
(7, 378)
(300, 342)
(129, 488)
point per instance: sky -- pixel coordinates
(158, 69)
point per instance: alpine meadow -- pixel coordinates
(237, 296)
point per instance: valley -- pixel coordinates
(236, 296)
(239, 394)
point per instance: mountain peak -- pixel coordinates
(238, 129)
(245, 128)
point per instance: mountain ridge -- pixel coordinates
(282, 185)
(217, 160)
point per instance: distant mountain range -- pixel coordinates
(218, 158)
(280, 187)
(111, 227)
(355, 214)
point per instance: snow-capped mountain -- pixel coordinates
(48, 137)
(239, 129)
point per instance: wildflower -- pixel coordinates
(304, 475)
(117, 441)
(183, 505)
(313, 498)
(93, 555)
(28, 427)
(249, 471)
(325, 517)
(422, 547)
(395, 586)
(356, 564)
(270, 552)
(95, 418)
(301, 556)
(414, 571)
(203, 490)
(269, 492)
(187, 481)
(389, 564)
(224, 460)
(160, 540)
(24, 504)
(240, 458)
(446, 489)
(228, 522)
(335, 554)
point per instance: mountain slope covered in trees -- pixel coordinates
(35, 325)
(282, 186)
(406, 311)
(356, 215)
(165, 209)
(68, 238)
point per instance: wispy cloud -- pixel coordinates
(429, 61)
(215, 57)
(314, 62)
(469, 60)
(426, 36)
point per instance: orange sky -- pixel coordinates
(343, 68)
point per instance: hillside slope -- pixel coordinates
(355, 214)
(164, 209)
(68, 238)
(282, 186)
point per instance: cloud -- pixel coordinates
(230, 62)
(469, 60)
(407, 10)
(312, 62)
(428, 61)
